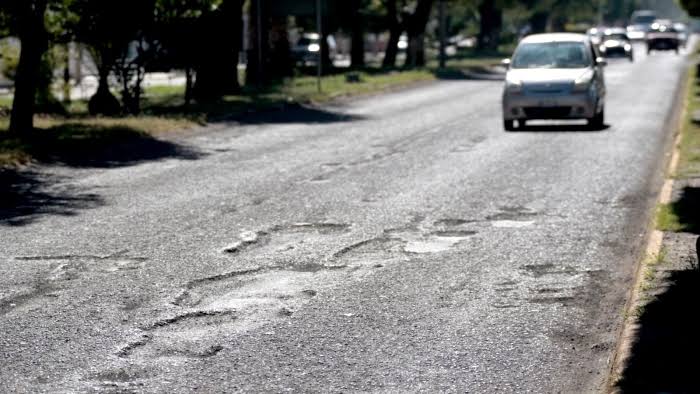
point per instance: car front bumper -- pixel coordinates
(520, 106)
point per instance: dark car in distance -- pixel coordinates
(662, 37)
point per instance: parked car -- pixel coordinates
(554, 76)
(616, 43)
(307, 49)
(662, 37)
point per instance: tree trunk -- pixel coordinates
(415, 28)
(279, 63)
(357, 51)
(188, 85)
(232, 12)
(217, 71)
(103, 101)
(491, 21)
(34, 42)
(256, 74)
(539, 21)
(395, 30)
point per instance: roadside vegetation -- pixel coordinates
(683, 215)
(665, 327)
(203, 39)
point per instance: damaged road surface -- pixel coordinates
(402, 242)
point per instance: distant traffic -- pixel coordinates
(561, 75)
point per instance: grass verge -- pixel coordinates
(689, 149)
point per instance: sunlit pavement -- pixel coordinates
(402, 242)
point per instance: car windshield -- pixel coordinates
(644, 19)
(616, 36)
(551, 55)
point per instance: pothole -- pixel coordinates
(438, 241)
(512, 223)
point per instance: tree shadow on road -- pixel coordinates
(687, 209)
(665, 356)
(27, 193)
(469, 74)
(296, 113)
(83, 145)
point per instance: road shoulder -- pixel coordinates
(659, 343)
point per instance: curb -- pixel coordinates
(653, 241)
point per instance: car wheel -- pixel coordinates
(598, 121)
(509, 125)
(631, 58)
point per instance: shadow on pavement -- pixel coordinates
(469, 74)
(560, 128)
(687, 208)
(79, 145)
(27, 195)
(295, 113)
(666, 354)
(665, 357)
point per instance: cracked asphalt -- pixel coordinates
(397, 243)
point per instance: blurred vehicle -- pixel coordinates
(662, 37)
(616, 43)
(682, 30)
(554, 76)
(640, 24)
(307, 50)
(595, 34)
(402, 44)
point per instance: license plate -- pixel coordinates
(548, 103)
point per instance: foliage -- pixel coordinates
(692, 7)
(9, 59)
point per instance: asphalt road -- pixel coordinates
(402, 242)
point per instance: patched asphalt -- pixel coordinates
(402, 242)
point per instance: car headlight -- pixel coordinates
(514, 85)
(602, 48)
(584, 82)
(628, 47)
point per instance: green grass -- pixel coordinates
(169, 101)
(5, 102)
(689, 161)
(667, 218)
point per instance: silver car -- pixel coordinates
(554, 76)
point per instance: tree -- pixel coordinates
(491, 22)
(395, 29)
(412, 19)
(26, 18)
(692, 7)
(357, 34)
(415, 24)
(178, 34)
(109, 28)
(221, 32)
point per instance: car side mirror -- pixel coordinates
(601, 62)
(505, 63)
